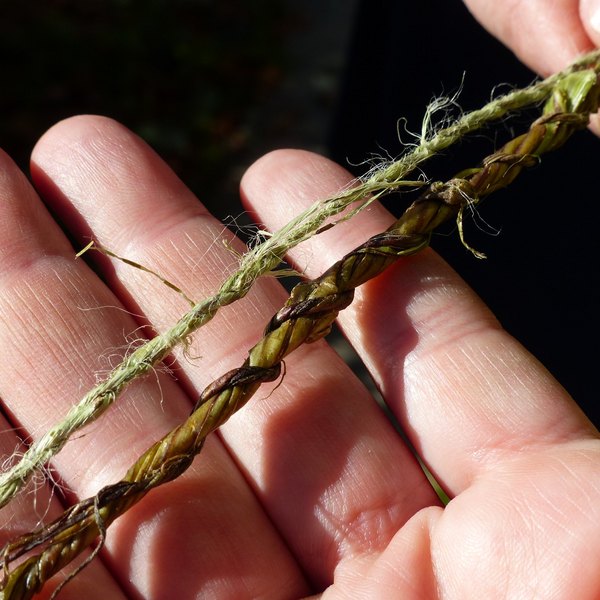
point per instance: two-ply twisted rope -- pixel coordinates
(260, 260)
(306, 317)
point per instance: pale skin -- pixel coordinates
(308, 490)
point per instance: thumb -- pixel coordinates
(546, 36)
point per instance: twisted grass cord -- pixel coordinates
(262, 259)
(306, 317)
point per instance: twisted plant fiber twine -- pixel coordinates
(263, 259)
(306, 317)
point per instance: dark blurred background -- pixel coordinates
(213, 84)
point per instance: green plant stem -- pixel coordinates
(306, 317)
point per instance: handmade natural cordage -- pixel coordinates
(306, 317)
(263, 259)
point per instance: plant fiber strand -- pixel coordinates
(306, 317)
(261, 260)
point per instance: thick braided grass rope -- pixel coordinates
(306, 317)
(263, 259)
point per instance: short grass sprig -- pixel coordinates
(306, 317)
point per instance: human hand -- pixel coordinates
(308, 488)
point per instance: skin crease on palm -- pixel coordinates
(307, 489)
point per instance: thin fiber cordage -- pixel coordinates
(306, 317)
(262, 259)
